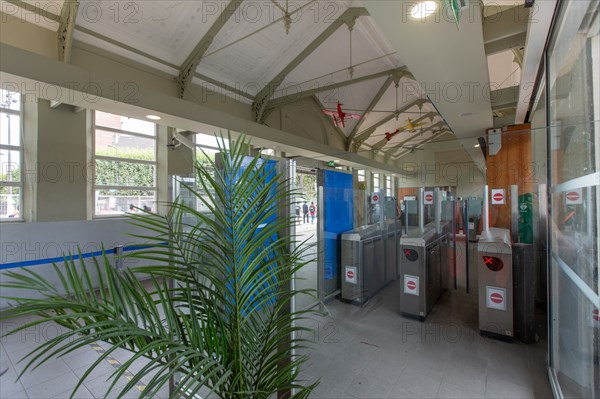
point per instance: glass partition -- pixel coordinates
(573, 109)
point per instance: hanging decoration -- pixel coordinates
(453, 7)
(287, 17)
(350, 68)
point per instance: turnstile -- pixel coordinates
(392, 231)
(363, 263)
(420, 271)
(495, 278)
(523, 256)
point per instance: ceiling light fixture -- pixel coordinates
(153, 117)
(423, 9)
(476, 146)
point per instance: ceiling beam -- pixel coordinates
(506, 29)
(399, 153)
(398, 146)
(497, 46)
(66, 28)
(381, 143)
(392, 78)
(337, 129)
(262, 98)
(365, 134)
(137, 51)
(505, 98)
(34, 9)
(281, 101)
(188, 68)
(422, 143)
(224, 86)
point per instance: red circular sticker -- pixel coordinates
(350, 274)
(411, 285)
(429, 197)
(496, 298)
(498, 197)
(573, 196)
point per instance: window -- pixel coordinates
(388, 186)
(11, 157)
(124, 164)
(376, 182)
(361, 175)
(206, 150)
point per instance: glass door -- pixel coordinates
(573, 82)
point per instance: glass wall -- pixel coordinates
(573, 104)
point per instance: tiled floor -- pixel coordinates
(373, 352)
(368, 352)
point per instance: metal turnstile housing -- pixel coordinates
(420, 272)
(392, 232)
(363, 263)
(495, 277)
(524, 292)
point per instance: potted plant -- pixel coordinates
(217, 315)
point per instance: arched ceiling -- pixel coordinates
(269, 56)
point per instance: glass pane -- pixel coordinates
(125, 123)
(120, 173)
(10, 100)
(575, 217)
(10, 129)
(122, 145)
(10, 202)
(210, 141)
(573, 138)
(575, 93)
(10, 162)
(118, 202)
(576, 341)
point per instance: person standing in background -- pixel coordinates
(312, 209)
(305, 212)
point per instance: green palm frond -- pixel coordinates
(217, 315)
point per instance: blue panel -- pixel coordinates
(270, 171)
(339, 217)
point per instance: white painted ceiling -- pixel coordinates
(449, 61)
(253, 47)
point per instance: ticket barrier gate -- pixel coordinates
(420, 271)
(363, 263)
(495, 274)
(391, 234)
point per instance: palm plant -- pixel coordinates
(217, 317)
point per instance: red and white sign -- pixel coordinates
(495, 298)
(498, 197)
(350, 274)
(428, 197)
(375, 198)
(411, 285)
(574, 197)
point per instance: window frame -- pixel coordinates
(376, 177)
(361, 175)
(96, 157)
(21, 150)
(388, 186)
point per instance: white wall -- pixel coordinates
(20, 242)
(429, 171)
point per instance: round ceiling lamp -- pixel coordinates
(423, 9)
